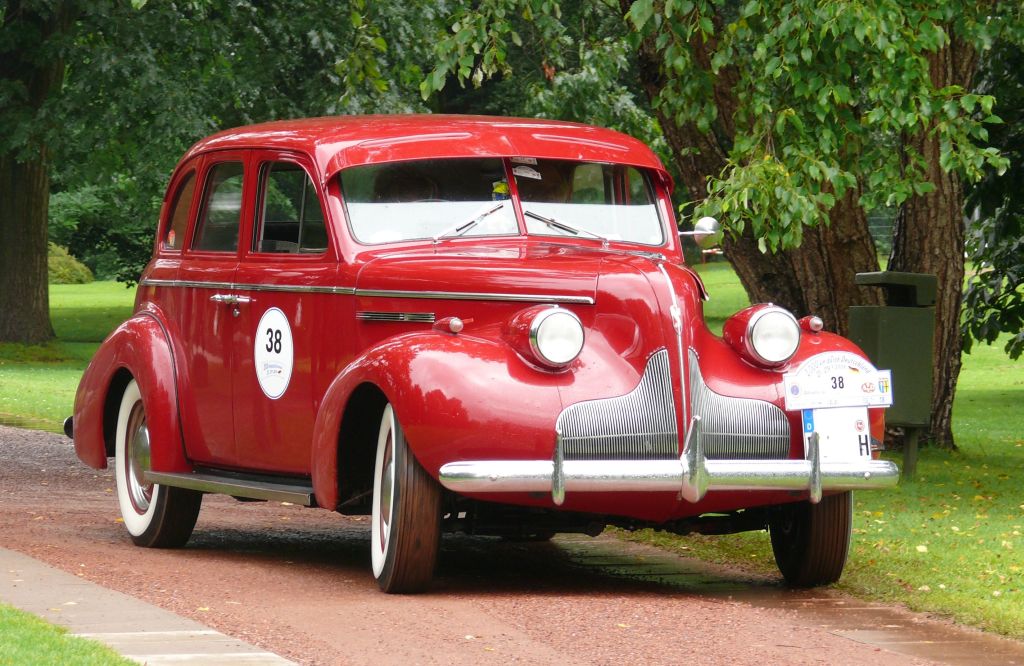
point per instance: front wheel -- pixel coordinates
(406, 519)
(156, 516)
(811, 541)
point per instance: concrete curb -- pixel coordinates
(138, 630)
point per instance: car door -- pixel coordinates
(287, 273)
(210, 308)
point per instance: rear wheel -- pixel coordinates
(406, 519)
(156, 516)
(811, 541)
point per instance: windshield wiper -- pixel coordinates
(462, 228)
(562, 226)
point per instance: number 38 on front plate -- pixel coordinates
(833, 394)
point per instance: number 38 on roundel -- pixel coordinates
(466, 324)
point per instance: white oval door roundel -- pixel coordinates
(273, 353)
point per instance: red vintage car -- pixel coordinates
(465, 324)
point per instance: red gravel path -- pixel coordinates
(297, 582)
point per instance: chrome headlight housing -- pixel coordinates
(765, 334)
(556, 337)
(550, 336)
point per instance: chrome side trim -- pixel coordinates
(262, 490)
(477, 296)
(417, 317)
(379, 293)
(293, 288)
(737, 427)
(640, 425)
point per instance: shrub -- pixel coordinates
(65, 269)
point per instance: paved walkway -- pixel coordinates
(136, 629)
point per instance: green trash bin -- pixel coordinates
(900, 337)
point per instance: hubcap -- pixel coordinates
(137, 460)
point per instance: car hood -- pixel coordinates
(525, 271)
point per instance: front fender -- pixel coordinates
(458, 397)
(139, 349)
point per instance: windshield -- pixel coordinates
(450, 198)
(588, 199)
(428, 199)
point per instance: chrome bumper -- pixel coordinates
(692, 476)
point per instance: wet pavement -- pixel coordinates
(880, 625)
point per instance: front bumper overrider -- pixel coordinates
(691, 475)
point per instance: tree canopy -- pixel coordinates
(789, 120)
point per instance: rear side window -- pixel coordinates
(179, 213)
(222, 209)
(289, 219)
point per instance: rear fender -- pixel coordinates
(451, 394)
(138, 349)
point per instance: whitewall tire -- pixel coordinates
(406, 516)
(156, 516)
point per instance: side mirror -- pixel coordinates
(707, 233)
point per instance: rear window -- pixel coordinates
(182, 204)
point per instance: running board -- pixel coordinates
(296, 493)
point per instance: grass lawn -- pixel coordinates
(949, 542)
(28, 640)
(38, 383)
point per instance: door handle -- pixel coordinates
(230, 299)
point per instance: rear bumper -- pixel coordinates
(691, 476)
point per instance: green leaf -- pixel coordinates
(641, 12)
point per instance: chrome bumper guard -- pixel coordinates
(691, 476)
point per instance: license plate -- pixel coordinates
(844, 433)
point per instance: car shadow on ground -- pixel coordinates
(567, 564)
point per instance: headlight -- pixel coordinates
(765, 334)
(556, 337)
(550, 336)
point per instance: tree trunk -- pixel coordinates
(828, 259)
(31, 68)
(24, 295)
(929, 238)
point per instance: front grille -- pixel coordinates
(640, 425)
(737, 427)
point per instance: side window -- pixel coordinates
(179, 213)
(289, 219)
(222, 208)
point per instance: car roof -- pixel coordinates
(338, 142)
